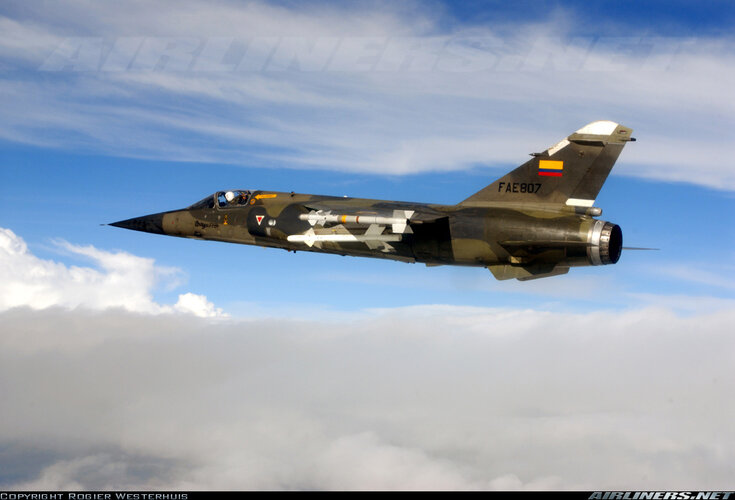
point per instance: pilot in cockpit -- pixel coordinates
(231, 197)
(235, 198)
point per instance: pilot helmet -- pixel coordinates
(229, 196)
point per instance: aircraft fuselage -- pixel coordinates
(410, 232)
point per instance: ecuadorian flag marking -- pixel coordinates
(550, 168)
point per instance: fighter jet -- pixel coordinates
(537, 221)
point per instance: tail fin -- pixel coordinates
(571, 172)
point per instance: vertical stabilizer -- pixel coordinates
(571, 172)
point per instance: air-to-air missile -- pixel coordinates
(537, 221)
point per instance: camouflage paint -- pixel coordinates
(534, 222)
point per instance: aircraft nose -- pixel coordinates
(147, 223)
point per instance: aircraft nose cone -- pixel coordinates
(148, 223)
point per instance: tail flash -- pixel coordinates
(571, 172)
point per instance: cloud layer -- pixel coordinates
(389, 92)
(411, 398)
(97, 395)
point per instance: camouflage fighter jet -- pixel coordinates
(537, 221)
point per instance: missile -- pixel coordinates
(373, 238)
(398, 223)
(310, 239)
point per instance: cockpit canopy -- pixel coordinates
(224, 199)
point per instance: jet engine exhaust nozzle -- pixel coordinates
(605, 243)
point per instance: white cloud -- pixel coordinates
(410, 398)
(198, 305)
(405, 103)
(120, 280)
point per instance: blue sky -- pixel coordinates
(232, 367)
